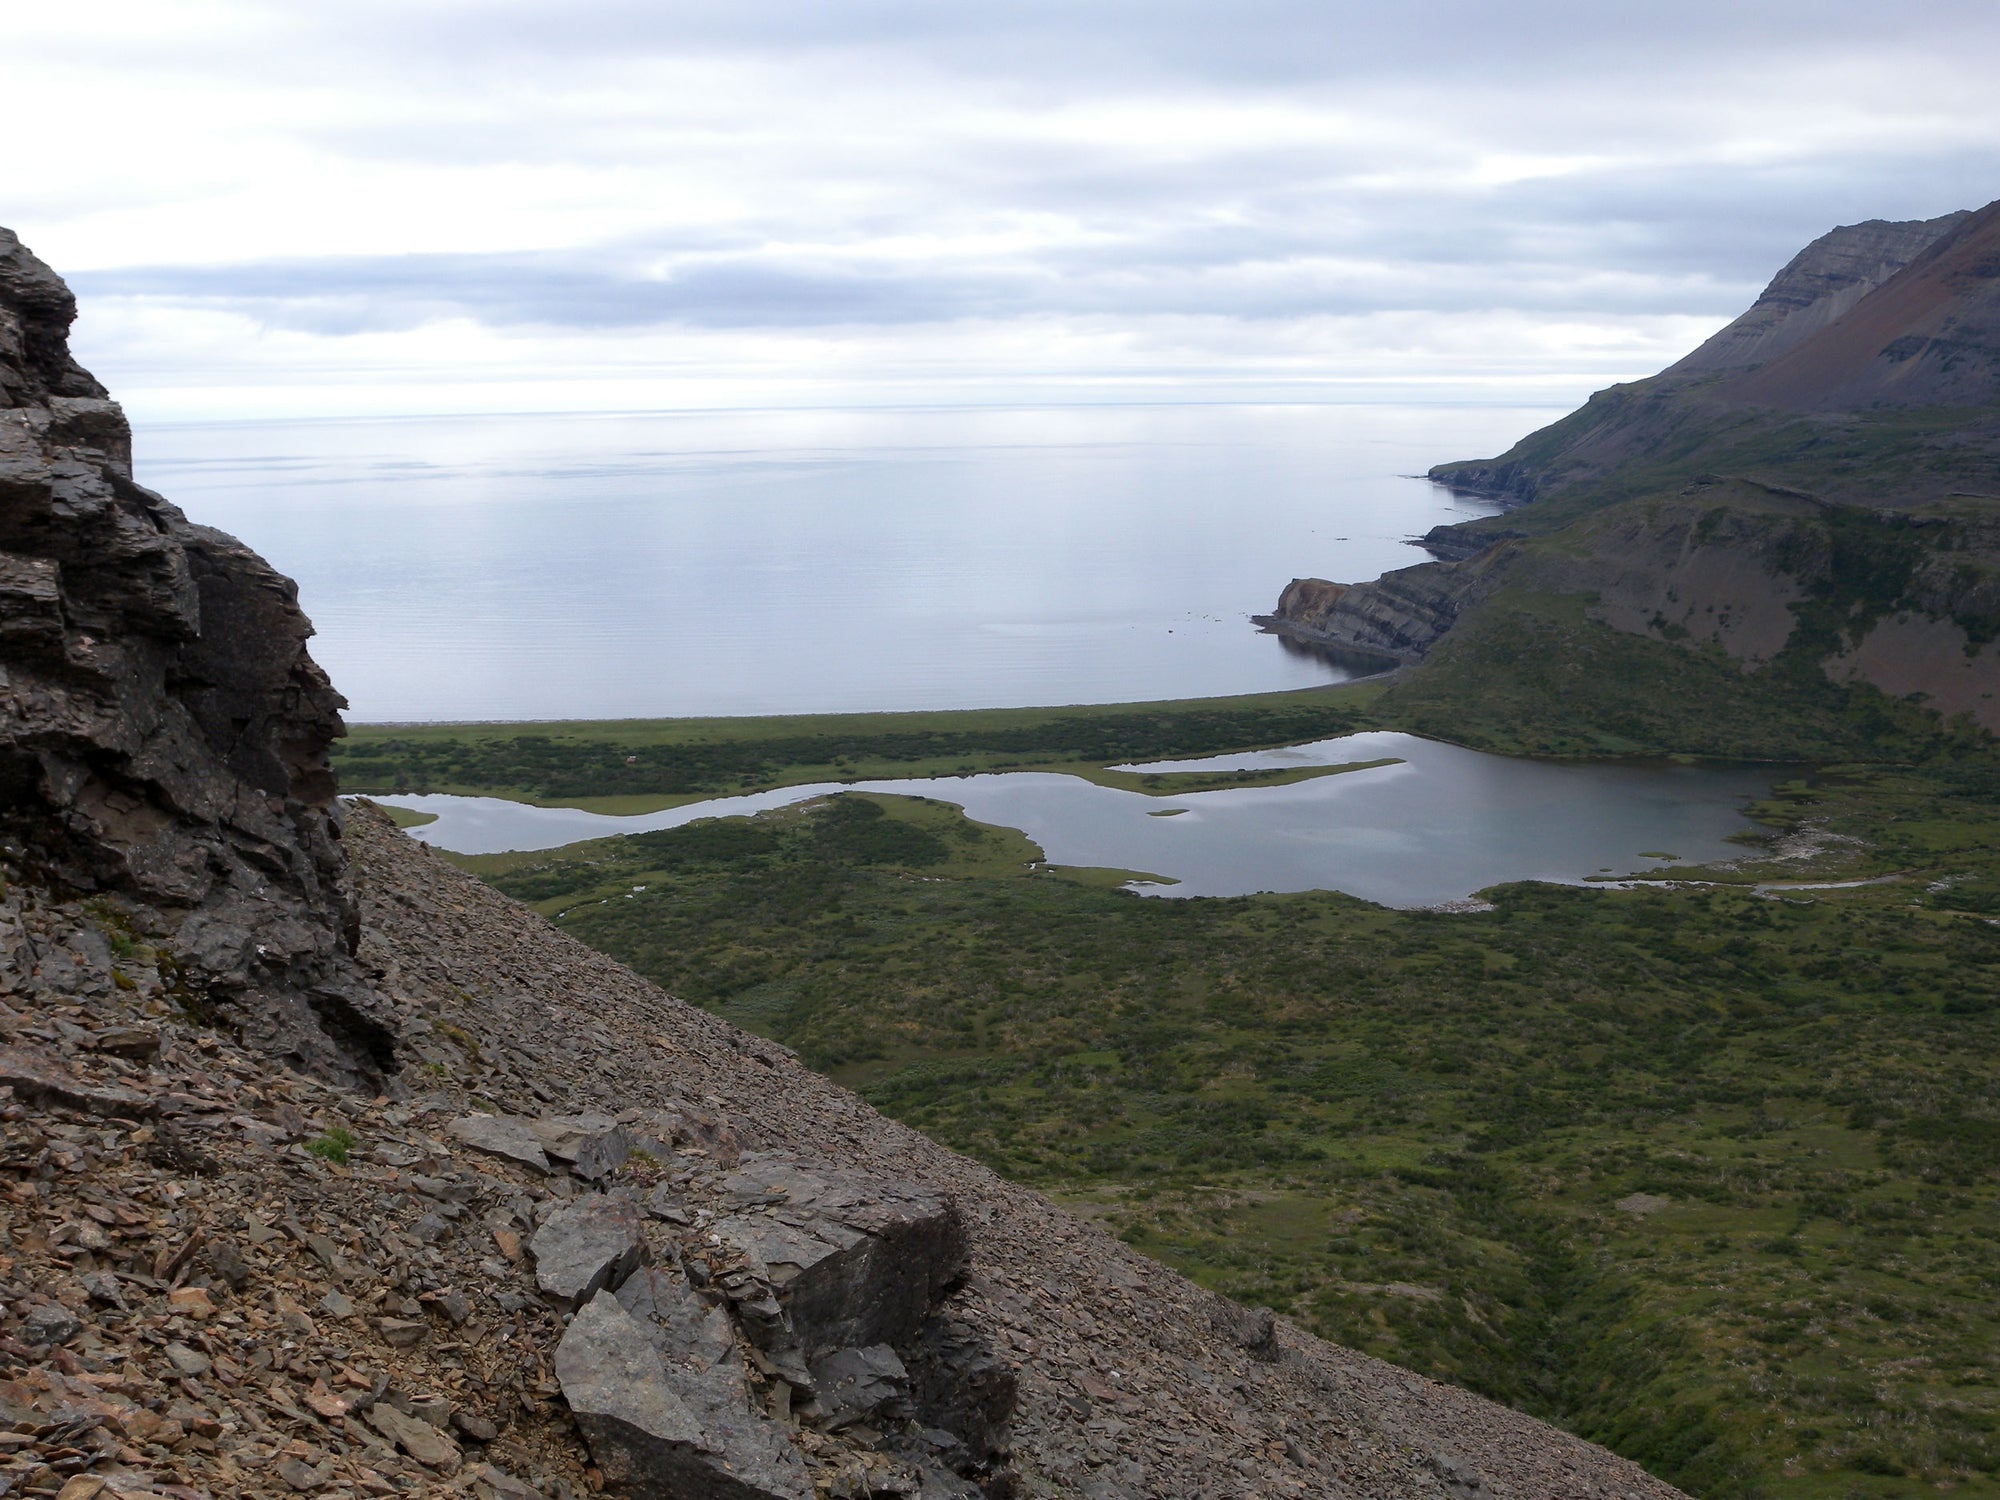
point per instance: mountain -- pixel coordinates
(1799, 520)
(334, 1171)
(1820, 284)
(1866, 372)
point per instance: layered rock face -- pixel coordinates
(1927, 336)
(163, 731)
(1400, 616)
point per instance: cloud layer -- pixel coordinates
(441, 204)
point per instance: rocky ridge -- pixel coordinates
(1872, 362)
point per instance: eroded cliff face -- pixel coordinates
(1400, 615)
(163, 731)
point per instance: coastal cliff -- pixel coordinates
(1809, 498)
(330, 1170)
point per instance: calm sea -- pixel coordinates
(659, 564)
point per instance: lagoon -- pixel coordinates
(1435, 826)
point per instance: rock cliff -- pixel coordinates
(163, 731)
(326, 1169)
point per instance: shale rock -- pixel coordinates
(836, 1260)
(163, 732)
(664, 1428)
(587, 1247)
(856, 1385)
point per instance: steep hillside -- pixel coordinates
(1927, 336)
(1818, 286)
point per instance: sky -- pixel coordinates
(409, 206)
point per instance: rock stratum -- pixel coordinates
(1814, 492)
(326, 1169)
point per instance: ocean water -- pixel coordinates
(666, 564)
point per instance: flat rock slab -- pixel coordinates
(855, 1385)
(587, 1247)
(851, 1261)
(510, 1136)
(659, 1427)
(592, 1146)
(416, 1437)
(38, 1078)
(687, 1330)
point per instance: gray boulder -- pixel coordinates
(658, 1426)
(590, 1145)
(587, 1247)
(508, 1136)
(838, 1261)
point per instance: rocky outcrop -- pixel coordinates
(1399, 616)
(163, 731)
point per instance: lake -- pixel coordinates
(1436, 827)
(694, 563)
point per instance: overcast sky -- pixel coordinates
(460, 205)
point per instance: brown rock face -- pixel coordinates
(163, 732)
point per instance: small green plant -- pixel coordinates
(334, 1146)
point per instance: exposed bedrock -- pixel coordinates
(1400, 615)
(163, 731)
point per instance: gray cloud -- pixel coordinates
(624, 165)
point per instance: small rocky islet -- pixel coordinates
(326, 1169)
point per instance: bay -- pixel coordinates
(695, 563)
